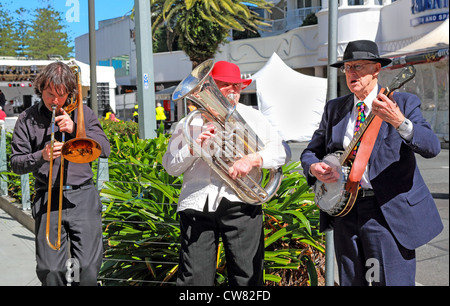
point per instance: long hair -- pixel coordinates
(58, 75)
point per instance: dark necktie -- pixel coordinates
(359, 122)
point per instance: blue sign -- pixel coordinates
(146, 80)
(428, 18)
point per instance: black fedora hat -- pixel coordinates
(362, 50)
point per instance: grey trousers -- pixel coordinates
(240, 226)
(81, 224)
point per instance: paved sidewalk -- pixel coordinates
(433, 258)
(17, 254)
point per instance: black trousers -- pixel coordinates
(82, 225)
(240, 227)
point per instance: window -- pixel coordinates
(355, 2)
(307, 3)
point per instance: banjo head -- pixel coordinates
(332, 197)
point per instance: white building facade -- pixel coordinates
(393, 25)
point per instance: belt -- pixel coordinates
(74, 187)
(364, 193)
(67, 187)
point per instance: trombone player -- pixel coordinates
(209, 209)
(32, 150)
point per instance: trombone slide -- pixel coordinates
(57, 244)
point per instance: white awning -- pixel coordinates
(436, 39)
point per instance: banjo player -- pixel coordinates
(394, 212)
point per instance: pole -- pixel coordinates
(93, 57)
(331, 94)
(3, 163)
(145, 75)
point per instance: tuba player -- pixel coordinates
(209, 209)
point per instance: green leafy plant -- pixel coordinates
(293, 244)
(140, 221)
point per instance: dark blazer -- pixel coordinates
(400, 190)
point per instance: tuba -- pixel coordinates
(234, 138)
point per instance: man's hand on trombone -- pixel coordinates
(57, 147)
(65, 123)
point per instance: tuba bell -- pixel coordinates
(234, 138)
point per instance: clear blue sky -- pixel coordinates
(75, 13)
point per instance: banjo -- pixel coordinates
(335, 198)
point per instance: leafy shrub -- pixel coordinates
(293, 244)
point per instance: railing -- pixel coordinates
(24, 179)
(298, 16)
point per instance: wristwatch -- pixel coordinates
(405, 129)
(404, 126)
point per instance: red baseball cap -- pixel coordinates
(228, 72)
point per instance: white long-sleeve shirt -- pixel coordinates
(200, 181)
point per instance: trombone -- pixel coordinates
(77, 150)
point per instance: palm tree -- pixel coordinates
(202, 25)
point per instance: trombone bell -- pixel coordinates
(81, 150)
